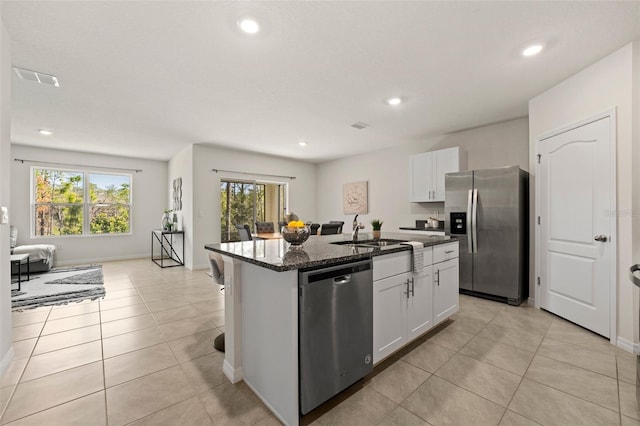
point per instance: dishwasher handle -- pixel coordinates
(344, 279)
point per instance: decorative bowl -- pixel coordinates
(295, 236)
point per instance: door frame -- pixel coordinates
(613, 284)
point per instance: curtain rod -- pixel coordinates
(76, 165)
(258, 174)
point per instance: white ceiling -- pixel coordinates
(146, 79)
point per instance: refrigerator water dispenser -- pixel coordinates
(458, 222)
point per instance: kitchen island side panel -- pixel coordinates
(270, 338)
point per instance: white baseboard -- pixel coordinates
(628, 346)
(198, 267)
(71, 262)
(234, 375)
(531, 301)
(6, 360)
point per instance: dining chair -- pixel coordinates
(264, 227)
(314, 228)
(341, 224)
(244, 232)
(330, 228)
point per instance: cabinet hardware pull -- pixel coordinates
(413, 293)
(438, 277)
(449, 251)
(407, 292)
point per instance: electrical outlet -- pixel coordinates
(59, 246)
(4, 215)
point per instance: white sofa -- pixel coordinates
(40, 255)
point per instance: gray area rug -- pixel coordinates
(59, 286)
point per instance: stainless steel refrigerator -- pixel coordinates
(489, 211)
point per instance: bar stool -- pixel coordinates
(217, 273)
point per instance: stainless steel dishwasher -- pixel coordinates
(336, 330)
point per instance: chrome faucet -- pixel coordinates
(356, 227)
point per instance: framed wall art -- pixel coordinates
(177, 194)
(355, 198)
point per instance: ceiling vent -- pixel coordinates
(359, 125)
(37, 77)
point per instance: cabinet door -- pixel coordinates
(421, 178)
(444, 161)
(445, 289)
(389, 315)
(420, 303)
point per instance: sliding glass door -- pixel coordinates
(245, 202)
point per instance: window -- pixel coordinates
(68, 202)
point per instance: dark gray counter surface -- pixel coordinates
(412, 228)
(317, 251)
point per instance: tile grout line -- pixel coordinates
(461, 354)
(618, 389)
(524, 374)
(104, 373)
(15, 388)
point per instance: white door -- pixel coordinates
(420, 303)
(575, 194)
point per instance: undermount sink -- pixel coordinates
(382, 242)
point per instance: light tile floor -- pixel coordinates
(143, 355)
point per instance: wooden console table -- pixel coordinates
(166, 240)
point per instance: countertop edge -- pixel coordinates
(327, 262)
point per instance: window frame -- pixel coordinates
(86, 203)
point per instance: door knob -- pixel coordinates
(601, 238)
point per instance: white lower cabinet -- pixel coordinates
(446, 285)
(389, 315)
(419, 303)
(406, 304)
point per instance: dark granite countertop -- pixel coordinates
(413, 228)
(317, 251)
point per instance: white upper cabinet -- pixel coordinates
(427, 171)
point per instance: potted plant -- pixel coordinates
(166, 222)
(376, 224)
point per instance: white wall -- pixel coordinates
(181, 166)
(6, 348)
(635, 216)
(206, 190)
(607, 83)
(149, 202)
(387, 172)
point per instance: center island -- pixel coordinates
(412, 287)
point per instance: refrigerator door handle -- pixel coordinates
(474, 221)
(469, 203)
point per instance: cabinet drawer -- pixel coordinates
(392, 264)
(444, 252)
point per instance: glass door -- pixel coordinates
(245, 202)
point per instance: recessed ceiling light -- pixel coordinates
(45, 132)
(532, 50)
(302, 142)
(249, 25)
(394, 101)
